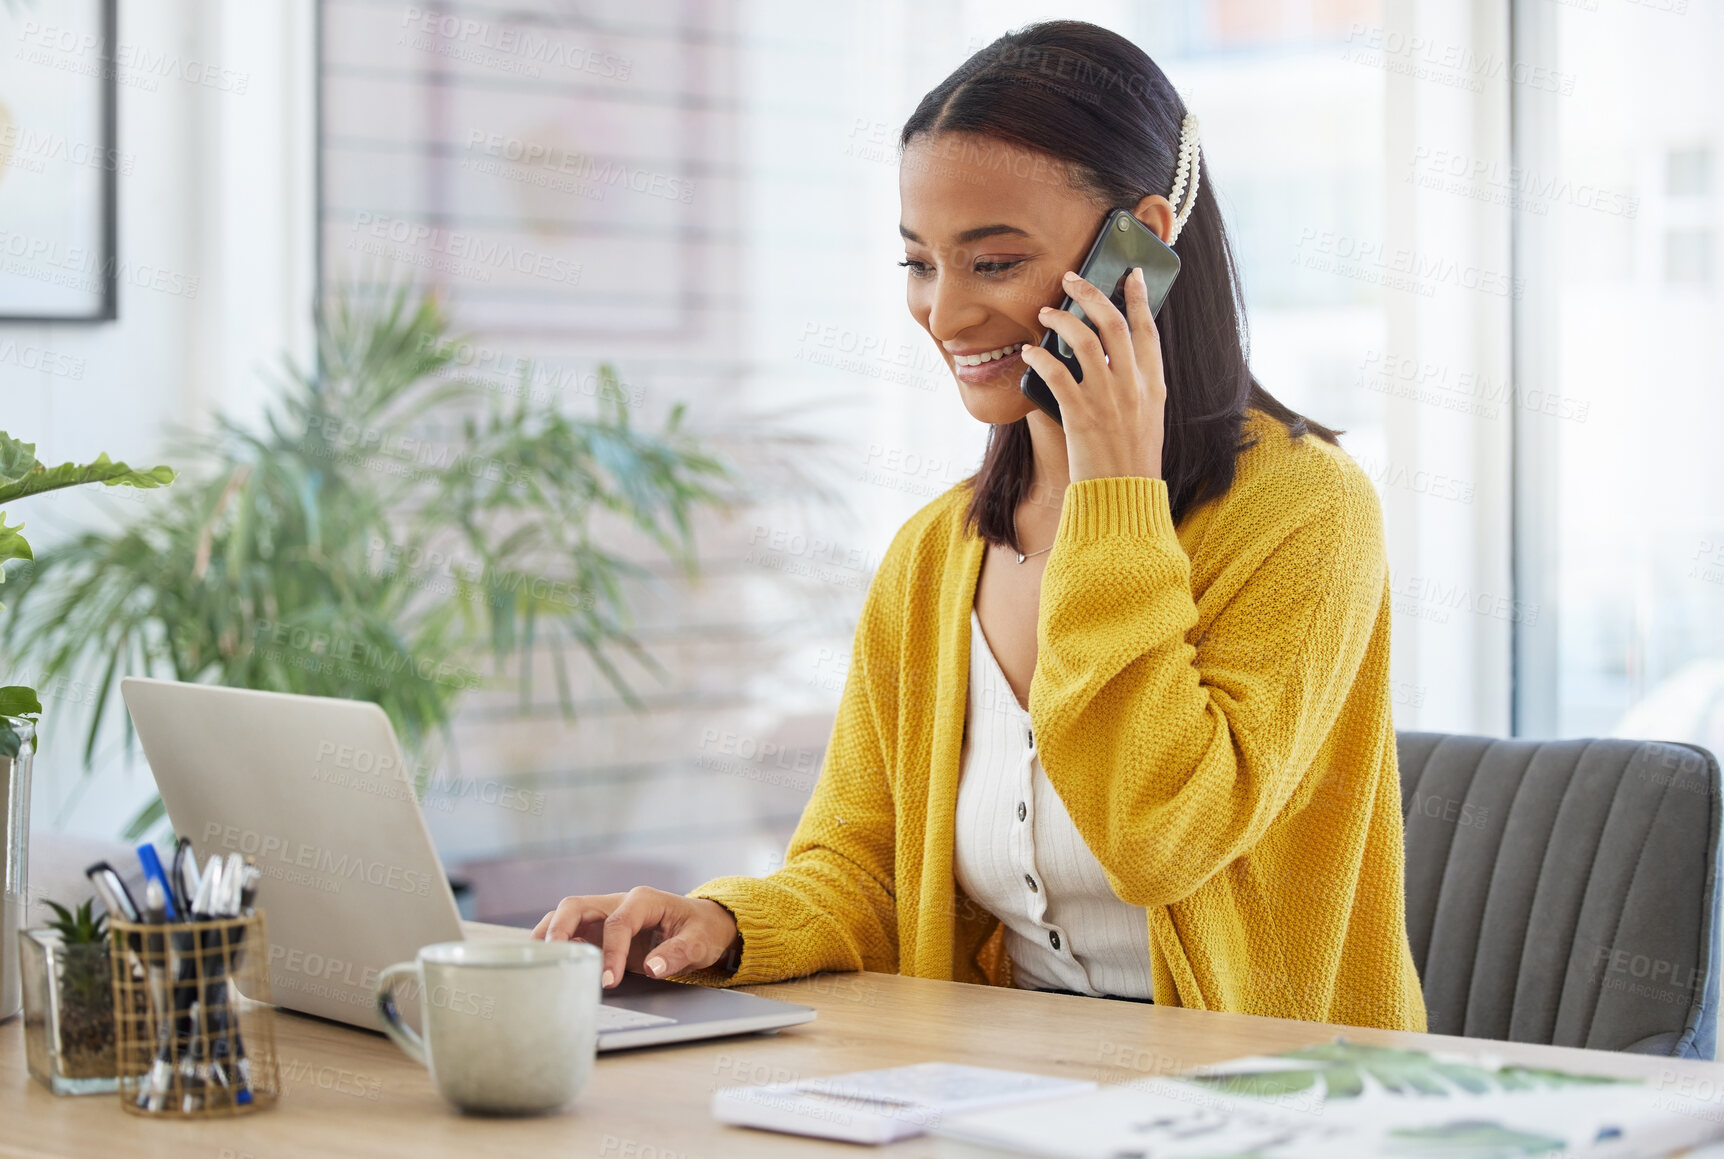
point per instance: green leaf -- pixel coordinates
(80, 927)
(12, 545)
(1263, 1084)
(1469, 1137)
(18, 701)
(145, 820)
(39, 478)
(10, 741)
(17, 459)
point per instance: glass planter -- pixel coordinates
(68, 1013)
(14, 861)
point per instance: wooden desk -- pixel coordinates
(353, 1094)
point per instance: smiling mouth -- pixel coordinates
(989, 356)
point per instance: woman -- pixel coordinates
(1117, 719)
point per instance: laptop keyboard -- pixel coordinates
(618, 1018)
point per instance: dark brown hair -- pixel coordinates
(1093, 100)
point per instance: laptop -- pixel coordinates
(316, 790)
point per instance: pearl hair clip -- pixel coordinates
(1187, 170)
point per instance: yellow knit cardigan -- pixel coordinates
(1212, 704)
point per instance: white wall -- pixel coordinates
(220, 189)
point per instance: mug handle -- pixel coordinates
(389, 1014)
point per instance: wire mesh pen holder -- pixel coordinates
(189, 1043)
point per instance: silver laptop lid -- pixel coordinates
(316, 789)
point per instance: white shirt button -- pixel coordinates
(1023, 811)
(1054, 939)
(1031, 882)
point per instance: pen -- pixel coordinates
(117, 899)
(210, 1010)
(113, 892)
(248, 882)
(177, 1043)
(184, 874)
(207, 886)
(226, 891)
(230, 886)
(153, 1094)
(192, 1064)
(120, 905)
(248, 886)
(153, 870)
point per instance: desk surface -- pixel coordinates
(347, 1093)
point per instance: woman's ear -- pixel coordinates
(1156, 212)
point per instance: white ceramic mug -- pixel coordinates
(510, 1027)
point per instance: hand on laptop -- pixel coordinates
(645, 930)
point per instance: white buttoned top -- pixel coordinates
(1020, 857)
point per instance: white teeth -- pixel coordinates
(978, 359)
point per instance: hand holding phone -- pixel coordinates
(1124, 243)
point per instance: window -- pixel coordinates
(1359, 154)
(1619, 472)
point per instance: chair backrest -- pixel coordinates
(1565, 892)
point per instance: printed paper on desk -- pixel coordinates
(1339, 1098)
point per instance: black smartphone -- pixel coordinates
(1123, 243)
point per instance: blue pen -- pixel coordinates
(153, 870)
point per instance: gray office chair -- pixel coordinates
(1565, 892)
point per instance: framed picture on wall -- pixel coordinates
(58, 161)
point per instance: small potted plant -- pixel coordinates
(69, 1002)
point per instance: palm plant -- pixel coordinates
(383, 531)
